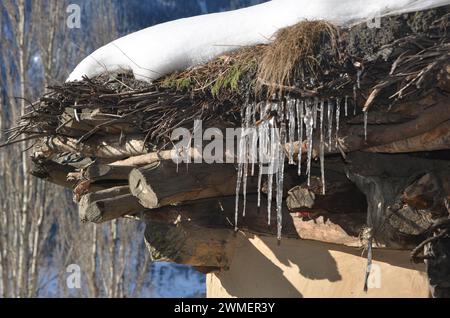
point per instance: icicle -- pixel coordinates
(239, 180)
(246, 153)
(346, 106)
(358, 79)
(354, 99)
(365, 124)
(291, 121)
(238, 189)
(273, 152)
(263, 142)
(242, 152)
(244, 187)
(322, 147)
(300, 108)
(280, 179)
(338, 117)
(314, 111)
(330, 123)
(309, 124)
(264, 150)
(254, 153)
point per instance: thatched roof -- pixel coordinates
(377, 67)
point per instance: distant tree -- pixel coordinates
(40, 233)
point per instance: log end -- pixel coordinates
(187, 244)
(140, 188)
(94, 212)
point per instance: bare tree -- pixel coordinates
(40, 233)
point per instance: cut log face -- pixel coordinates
(189, 245)
(112, 208)
(97, 172)
(164, 183)
(90, 198)
(53, 172)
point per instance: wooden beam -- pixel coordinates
(53, 172)
(189, 245)
(112, 208)
(111, 148)
(97, 172)
(311, 224)
(438, 138)
(88, 199)
(164, 183)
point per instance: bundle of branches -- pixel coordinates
(311, 59)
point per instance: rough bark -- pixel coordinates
(112, 208)
(53, 172)
(97, 172)
(164, 183)
(88, 199)
(109, 148)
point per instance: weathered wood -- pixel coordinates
(98, 172)
(53, 172)
(311, 224)
(164, 183)
(150, 158)
(58, 174)
(437, 138)
(111, 148)
(90, 198)
(112, 208)
(187, 244)
(424, 132)
(390, 183)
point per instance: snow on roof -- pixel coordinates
(177, 45)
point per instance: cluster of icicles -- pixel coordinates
(270, 129)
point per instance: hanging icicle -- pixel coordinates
(309, 124)
(346, 106)
(315, 109)
(291, 122)
(366, 118)
(300, 109)
(273, 145)
(322, 146)
(354, 99)
(358, 79)
(338, 117)
(280, 179)
(247, 153)
(240, 158)
(264, 136)
(253, 150)
(330, 123)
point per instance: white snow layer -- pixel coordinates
(174, 46)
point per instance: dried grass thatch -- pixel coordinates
(311, 59)
(297, 54)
